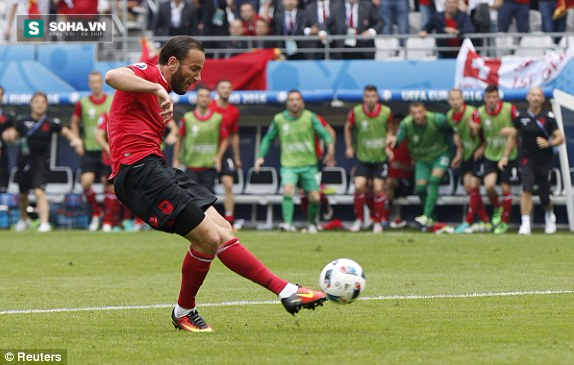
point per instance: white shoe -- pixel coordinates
(424, 221)
(311, 228)
(45, 227)
(524, 230)
(238, 224)
(377, 228)
(550, 226)
(94, 224)
(138, 227)
(22, 225)
(286, 227)
(107, 228)
(356, 226)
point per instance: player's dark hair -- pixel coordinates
(95, 73)
(294, 91)
(370, 88)
(491, 88)
(222, 80)
(39, 93)
(417, 103)
(178, 47)
(202, 87)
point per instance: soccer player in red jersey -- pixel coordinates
(167, 198)
(231, 161)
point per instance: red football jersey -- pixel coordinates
(135, 128)
(401, 165)
(230, 116)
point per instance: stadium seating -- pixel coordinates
(334, 179)
(263, 182)
(420, 48)
(534, 46)
(535, 21)
(387, 49)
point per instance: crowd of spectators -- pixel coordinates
(320, 18)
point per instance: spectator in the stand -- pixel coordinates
(175, 17)
(23, 7)
(322, 23)
(395, 12)
(550, 25)
(359, 18)
(255, 4)
(6, 121)
(483, 14)
(292, 22)
(214, 21)
(450, 21)
(237, 43)
(202, 142)
(519, 10)
(262, 30)
(35, 133)
(539, 136)
(427, 9)
(248, 16)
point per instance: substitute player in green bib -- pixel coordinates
(296, 129)
(84, 123)
(469, 157)
(426, 134)
(368, 122)
(500, 159)
(202, 141)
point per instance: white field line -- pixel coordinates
(236, 303)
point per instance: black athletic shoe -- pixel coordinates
(304, 298)
(191, 323)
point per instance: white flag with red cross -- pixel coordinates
(510, 72)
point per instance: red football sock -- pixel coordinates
(481, 209)
(127, 213)
(371, 204)
(230, 218)
(506, 207)
(111, 209)
(194, 270)
(91, 199)
(324, 199)
(474, 197)
(359, 204)
(379, 207)
(239, 260)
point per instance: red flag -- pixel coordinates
(483, 69)
(246, 71)
(562, 7)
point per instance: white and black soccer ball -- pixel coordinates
(342, 280)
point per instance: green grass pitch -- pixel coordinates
(79, 270)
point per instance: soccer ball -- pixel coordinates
(342, 280)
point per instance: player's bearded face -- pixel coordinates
(370, 99)
(419, 114)
(294, 103)
(188, 71)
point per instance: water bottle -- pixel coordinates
(24, 148)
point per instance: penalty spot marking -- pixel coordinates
(236, 303)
